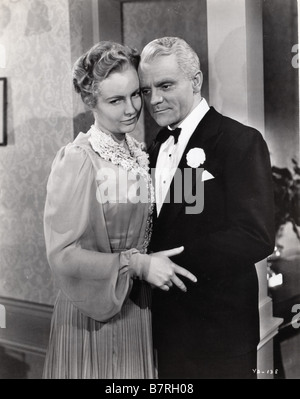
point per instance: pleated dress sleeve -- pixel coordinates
(97, 282)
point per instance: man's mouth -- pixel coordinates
(157, 111)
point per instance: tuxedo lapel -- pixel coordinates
(205, 136)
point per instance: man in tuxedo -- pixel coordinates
(212, 330)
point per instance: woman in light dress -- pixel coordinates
(97, 225)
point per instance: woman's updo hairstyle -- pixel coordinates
(97, 64)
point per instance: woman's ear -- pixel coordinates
(197, 82)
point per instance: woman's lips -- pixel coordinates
(129, 121)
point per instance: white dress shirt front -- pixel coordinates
(170, 153)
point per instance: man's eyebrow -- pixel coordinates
(159, 83)
(164, 81)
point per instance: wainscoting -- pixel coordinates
(24, 340)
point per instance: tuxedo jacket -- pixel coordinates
(218, 315)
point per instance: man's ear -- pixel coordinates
(197, 82)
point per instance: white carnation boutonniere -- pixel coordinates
(195, 157)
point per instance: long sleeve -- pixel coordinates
(96, 282)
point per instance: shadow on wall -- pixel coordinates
(82, 122)
(13, 366)
(229, 103)
(18, 365)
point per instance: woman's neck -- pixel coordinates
(118, 137)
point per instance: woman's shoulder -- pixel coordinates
(73, 157)
(78, 148)
(82, 139)
(80, 143)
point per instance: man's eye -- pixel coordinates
(146, 92)
(166, 86)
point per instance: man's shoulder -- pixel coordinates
(233, 136)
(234, 128)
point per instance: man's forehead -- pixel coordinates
(166, 59)
(160, 68)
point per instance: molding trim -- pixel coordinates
(27, 326)
(268, 324)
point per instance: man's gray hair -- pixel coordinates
(187, 58)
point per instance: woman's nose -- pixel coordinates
(130, 109)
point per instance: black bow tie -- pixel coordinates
(165, 133)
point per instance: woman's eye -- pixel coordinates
(146, 92)
(137, 94)
(114, 102)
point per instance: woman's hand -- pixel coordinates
(162, 272)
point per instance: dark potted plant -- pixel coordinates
(286, 185)
(287, 197)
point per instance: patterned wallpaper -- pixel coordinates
(36, 35)
(42, 39)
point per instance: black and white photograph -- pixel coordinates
(149, 192)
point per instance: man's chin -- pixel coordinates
(161, 121)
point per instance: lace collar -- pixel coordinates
(114, 152)
(136, 162)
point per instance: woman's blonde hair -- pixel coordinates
(97, 64)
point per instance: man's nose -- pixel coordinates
(156, 97)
